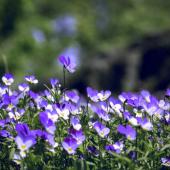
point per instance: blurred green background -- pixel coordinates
(118, 44)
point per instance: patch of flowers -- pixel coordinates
(59, 129)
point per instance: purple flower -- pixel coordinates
(102, 130)
(168, 92)
(75, 123)
(23, 87)
(78, 135)
(63, 111)
(54, 82)
(93, 150)
(25, 138)
(24, 144)
(70, 145)
(92, 94)
(145, 124)
(104, 95)
(100, 112)
(72, 95)
(31, 79)
(128, 131)
(117, 147)
(5, 133)
(165, 161)
(47, 123)
(96, 96)
(8, 79)
(67, 63)
(146, 95)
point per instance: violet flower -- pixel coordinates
(70, 145)
(75, 123)
(63, 110)
(92, 94)
(78, 135)
(48, 124)
(54, 82)
(23, 87)
(128, 131)
(31, 79)
(145, 124)
(96, 96)
(117, 147)
(67, 63)
(102, 130)
(24, 144)
(165, 161)
(8, 79)
(72, 95)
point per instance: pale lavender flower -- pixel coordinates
(101, 129)
(8, 79)
(31, 79)
(75, 123)
(23, 87)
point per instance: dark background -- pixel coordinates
(118, 44)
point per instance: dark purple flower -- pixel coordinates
(117, 147)
(93, 150)
(67, 63)
(8, 79)
(102, 130)
(5, 133)
(70, 145)
(78, 135)
(23, 130)
(128, 131)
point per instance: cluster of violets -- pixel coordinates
(69, 121)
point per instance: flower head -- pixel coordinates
(23, 87)
(8, 79)
(70, 145)
(117, 147)
(101, 129)
(67, 63)
(31, 79)
(128, 131)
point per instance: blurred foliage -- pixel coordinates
(31, 39)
